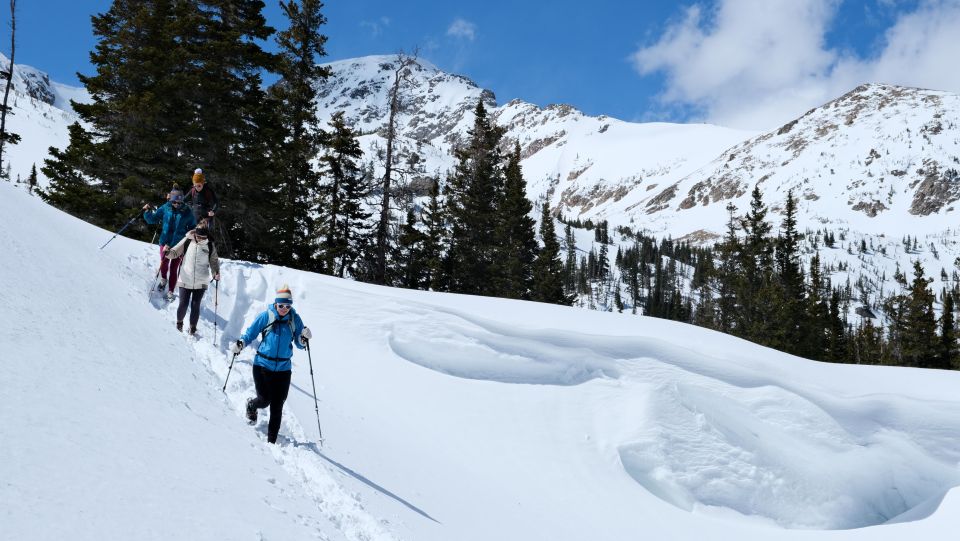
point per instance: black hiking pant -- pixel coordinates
(190, 297)
(272, 388)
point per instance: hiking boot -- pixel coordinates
(193, 331)
(180, 326)
(251, 412)
(168, 296)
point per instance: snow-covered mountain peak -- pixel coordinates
(868, 160)
(37, 85)
(584, 166)
(432, 104)
(40, 115)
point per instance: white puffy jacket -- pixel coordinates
(200, 262)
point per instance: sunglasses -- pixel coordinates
(283, 306)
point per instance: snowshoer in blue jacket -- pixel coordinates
(279, 328)
(177, 220)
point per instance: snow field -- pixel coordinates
(445, 417)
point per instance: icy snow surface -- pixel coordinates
(445, 417)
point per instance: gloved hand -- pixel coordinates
(305, 336)
(237, 346)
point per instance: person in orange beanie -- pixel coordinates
(201, 199)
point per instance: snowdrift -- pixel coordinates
(444, 417)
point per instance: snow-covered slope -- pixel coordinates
(41, 116)
(875, 160)
(445, 417)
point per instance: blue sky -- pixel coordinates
(742, 63)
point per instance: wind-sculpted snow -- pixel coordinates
(460, 347)
(767, 452)
(717, 435)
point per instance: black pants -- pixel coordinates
(272, 389)
(193, 298)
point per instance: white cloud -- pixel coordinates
(759, 63)
(376, 27)
(463, 29)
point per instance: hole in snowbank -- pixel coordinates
(768, 453)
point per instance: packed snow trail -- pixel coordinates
(296, 451)
(114, 427)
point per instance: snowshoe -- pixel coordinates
(162, 285)
(251, 412)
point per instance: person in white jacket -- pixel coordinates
(200, 261)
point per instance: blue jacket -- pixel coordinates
(176, 222)
(276, 349)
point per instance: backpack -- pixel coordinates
(209, 251)
(272, 321)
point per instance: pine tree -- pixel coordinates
(177, 85)
(233, 120)
(947, 356)
(344, 224)
(32, 179)
(836, 330)
(895, 309)
(435, 240)
(817, 313)
(869, 340)
(294, 96)
(570, 266)
(515, 237)
(730, 276)
(473, 193)
(411, 265)
(791, 311)
(603, 263)
(137, 116)
(548, 268)
(919, 332)
(756, 294)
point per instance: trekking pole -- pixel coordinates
(121, 230)
(216, 303)
(155, 229)
(153, 284)
(316, 407)
(225, 380)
